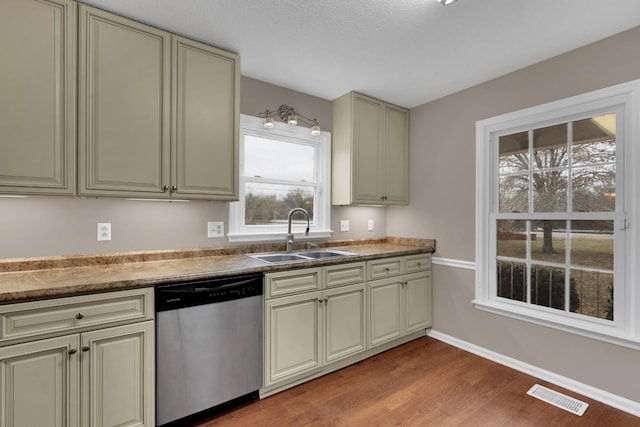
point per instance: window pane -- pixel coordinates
(514, 153)
(594, 140)
(269, 204)
(592, 244)
(595, 292)
(268, 158)
(512, 280)
(514, 193)
(547, 287)
(512, 238)
(594, 188)
(550, 191)
(549, 241)
(550, 147)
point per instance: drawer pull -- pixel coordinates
(73, 351)
(386, 269)
(86, 348)
(419, 264)
(79, 316)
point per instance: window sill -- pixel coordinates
(276, 236)
(596, 329)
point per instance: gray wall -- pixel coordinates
(48, 226)
(442, 148)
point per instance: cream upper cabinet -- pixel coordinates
(370, 143)
(37, 96)
(124, 114)
(206, 117)
(159, 114)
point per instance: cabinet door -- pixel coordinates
(124, 92)
(385, 303)
(37, 96)
(396, 176)
(344, 322)
(206, 117)
(417, 301)
(292, 341)
(118, 376)
(39, 383)
(367, 158)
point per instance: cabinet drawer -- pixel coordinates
(415, 263)
(382, 268)
(291, 282)
(338, 275)
(70, 314)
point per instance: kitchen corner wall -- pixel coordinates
(442, 179)
(50, 226)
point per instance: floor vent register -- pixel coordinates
(560, 400)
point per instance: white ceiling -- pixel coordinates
(407, 52)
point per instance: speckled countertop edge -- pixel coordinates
(43, 278)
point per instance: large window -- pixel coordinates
(280, 169)
(557, 192)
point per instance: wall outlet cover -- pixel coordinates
(344, 225)
(215, 229)
(104, 231)
(370, 225)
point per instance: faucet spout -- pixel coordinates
(290, 239)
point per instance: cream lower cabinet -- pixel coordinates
(39, 383)
(312, 329)
(101, 376)
(399, 303)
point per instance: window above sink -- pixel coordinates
(280, 169)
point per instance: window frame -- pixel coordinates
(624, 99)
(321, 228)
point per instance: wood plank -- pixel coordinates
(422, 383)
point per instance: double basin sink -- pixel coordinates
(286, 257)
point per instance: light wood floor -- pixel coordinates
(423, 383)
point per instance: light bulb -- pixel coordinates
(315, 130)
(268, 122)
(292, 120)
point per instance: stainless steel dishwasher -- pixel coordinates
(209, 346)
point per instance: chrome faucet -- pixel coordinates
(290, 239)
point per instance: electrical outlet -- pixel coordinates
(344, 225)
(370, 225)
(215, 229)
(104, 231)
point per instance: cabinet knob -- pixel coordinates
(386, 269)
(165, 187)
(86, 348)
(174, 188)
(73, 351)
(326, 299)
(79, 316)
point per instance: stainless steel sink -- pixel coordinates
(324, 254)
(282, 258)
(278, 258)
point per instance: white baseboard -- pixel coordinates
(605, 397)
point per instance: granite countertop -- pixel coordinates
(42, 278)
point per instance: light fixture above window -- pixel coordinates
(290, 116)
(445, 2)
